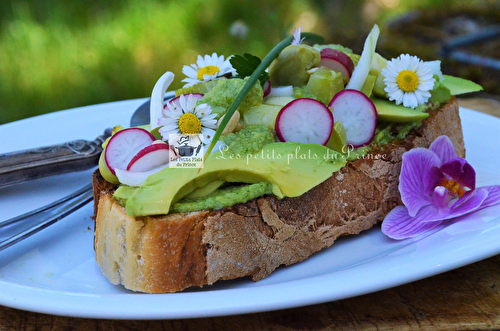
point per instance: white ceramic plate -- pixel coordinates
(55, 272)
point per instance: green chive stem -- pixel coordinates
(252, 80)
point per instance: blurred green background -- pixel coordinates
(57, 54)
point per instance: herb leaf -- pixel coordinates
(245, 66)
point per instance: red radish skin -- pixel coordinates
(175, 101)
(172, 150)
(150, 157)
(304, 120)
(124, 145)
(267, 88)
(338, 61)
(358, 115)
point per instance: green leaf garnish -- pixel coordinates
(254, 77)
(245, 66)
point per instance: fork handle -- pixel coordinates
(21, 227)
(22, 166)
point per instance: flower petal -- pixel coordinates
(398, 224)
(433, 178)
(416, 163)
(190, 72)
(190, 82)
(440, 198)
(421, 98)
(410, 100)
(471, 203)
(493, 195)
(191, 103)
(443, 147)
(461, 172)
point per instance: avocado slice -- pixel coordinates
(291, 168)
(369, 84)
(205, 190)
(388, 111)
(338, 138)
(458, 85)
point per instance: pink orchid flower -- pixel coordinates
(435, 185)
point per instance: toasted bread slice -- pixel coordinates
(169, 253)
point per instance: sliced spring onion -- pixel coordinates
(157, 96)
(363, 68)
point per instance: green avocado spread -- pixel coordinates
(224, 197)
(223, 94)
(249, 140)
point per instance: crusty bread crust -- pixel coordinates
(169, 253)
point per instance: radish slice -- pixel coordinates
(136, 178)
(150, 157)
(338, 61)
(281, 91)
(358, 115)
(135, 175)
(175, 101)
(124, 145)
(157, 97)
(305, 121)
(363, 68)
(267, 88)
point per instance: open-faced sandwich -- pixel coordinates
(257, 164)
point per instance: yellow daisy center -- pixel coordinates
(208, 70)
(407, 81)
(189, 123)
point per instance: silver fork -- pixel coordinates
(23, 226)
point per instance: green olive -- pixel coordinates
(291, 66)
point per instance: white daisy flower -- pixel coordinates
(185, 117)
(296, 36)
(408, 80)
(207, 68)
